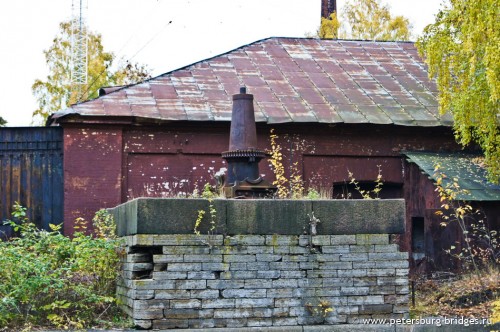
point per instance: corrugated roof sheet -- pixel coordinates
(459, 168)
(292, 80)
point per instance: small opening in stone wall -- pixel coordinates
(159, 267)
(417, 238)
(153, 250)
(143, 261)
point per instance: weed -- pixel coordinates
(291, 186)
(209, 194)
(322, 309)
(481, 246)
(313, 223)
(276, 160)
(313, 194)
(461, 296)
(367, 194)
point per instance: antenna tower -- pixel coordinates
(79, 50)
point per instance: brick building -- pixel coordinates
(337, 107)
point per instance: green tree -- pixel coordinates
(54, 93)
(3, 122)
(461, 49)
(367, 20)
(370, 20)
(329, 28)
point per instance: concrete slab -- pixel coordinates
(260, 216)
(266, 217)
(167, 216)
(353, 216)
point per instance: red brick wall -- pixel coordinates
(92, 171)
(105, 165)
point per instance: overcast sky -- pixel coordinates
(139, 30)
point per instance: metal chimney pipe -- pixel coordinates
(243, 178)
(243, 134)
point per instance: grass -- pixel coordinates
(465, 295)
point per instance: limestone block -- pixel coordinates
(218, 303)
(239, 275)
(359, 300)
(382, 290)
(269, 274)
(388, 256)
(204, 294)
(183, 267)
(354, 290)
(223, 284)
(182, 313)
(213, 258)
(143, 324)
(164, 275)
(244, 293)
(185, 304)
(321, 240)
(343, 239)
(198, 275)
(190, 284)
(259, 283)
(172, 294)
(282, 240)
(336, 249)
(150, 284)
(372, 239)
(245, 240)
(254, 303)
(143, 314)
(260, 322)
(166, 324)
(258, 266)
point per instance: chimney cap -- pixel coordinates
(243, 89)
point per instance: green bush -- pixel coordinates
(49, 279)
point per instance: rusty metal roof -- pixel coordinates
(292, 80)
(459, 168)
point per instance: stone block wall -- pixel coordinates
(203, 281)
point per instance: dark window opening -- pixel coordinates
(345, 190)
(417, 237)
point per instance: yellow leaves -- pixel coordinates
(329, 27)
(198, 221)
(461, 50)
(292, 187)
(368, 194)
(55, 228)
(371, 20)
(495, 317)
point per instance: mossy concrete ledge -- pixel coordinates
(259, 216)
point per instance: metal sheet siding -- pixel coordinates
(31, 174)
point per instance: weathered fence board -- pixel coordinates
(32, 174)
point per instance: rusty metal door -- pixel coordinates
(31, 173)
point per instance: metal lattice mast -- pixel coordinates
(79, 50)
